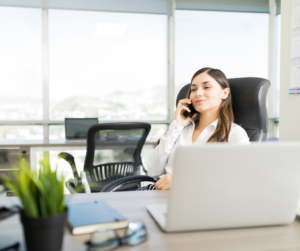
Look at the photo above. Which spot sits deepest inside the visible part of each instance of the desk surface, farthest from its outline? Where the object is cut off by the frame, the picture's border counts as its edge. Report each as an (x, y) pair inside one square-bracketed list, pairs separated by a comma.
[(132, 205)]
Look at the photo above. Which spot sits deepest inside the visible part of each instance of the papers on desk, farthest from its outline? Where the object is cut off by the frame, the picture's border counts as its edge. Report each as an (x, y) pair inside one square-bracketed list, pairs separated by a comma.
[(86, 218)]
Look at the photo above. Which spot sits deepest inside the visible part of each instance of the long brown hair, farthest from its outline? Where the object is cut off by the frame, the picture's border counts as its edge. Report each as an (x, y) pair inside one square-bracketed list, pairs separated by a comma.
[(225, 114)]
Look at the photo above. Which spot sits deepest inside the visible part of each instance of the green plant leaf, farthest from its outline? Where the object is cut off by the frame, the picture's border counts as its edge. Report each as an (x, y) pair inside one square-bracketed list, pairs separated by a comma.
[(41, 195)]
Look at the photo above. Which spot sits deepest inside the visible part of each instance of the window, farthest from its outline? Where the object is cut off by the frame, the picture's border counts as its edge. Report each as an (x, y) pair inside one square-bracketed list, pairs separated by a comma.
[(57, 132), (107, 65), (8, 133), (236, 43), (20, 63), (114, 65)]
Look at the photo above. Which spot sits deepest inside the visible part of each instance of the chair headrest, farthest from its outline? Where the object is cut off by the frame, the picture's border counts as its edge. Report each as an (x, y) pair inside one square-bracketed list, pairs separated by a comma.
[(249, 104)]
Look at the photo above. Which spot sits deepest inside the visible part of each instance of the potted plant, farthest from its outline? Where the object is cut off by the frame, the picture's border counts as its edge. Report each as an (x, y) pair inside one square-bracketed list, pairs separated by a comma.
[(43, 212)]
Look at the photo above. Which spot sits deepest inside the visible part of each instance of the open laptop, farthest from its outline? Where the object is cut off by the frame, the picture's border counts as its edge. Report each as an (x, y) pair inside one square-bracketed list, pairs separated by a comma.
[(217, 186), (76, 128)]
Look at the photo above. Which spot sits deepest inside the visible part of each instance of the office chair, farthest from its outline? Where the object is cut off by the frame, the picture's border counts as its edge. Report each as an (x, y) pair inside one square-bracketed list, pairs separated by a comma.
[(249, 104), (113, 152)]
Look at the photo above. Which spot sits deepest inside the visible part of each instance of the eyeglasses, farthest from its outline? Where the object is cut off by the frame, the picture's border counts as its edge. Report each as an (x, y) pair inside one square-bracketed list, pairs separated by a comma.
[(108, 239)]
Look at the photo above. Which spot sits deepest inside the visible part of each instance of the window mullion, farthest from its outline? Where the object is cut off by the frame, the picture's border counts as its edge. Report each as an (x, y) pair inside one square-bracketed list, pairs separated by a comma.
[(171, 28), (45, 53)]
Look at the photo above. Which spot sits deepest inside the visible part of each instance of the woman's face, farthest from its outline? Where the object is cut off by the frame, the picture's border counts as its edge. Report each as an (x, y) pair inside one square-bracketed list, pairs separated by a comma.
[(206, 93)]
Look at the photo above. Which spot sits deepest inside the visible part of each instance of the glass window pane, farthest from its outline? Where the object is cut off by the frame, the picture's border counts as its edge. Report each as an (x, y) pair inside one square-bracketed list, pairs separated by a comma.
[(236, 43), (107, 65), (63, 167), (16, 132), (20, 63), (57, 132), (157, 130)]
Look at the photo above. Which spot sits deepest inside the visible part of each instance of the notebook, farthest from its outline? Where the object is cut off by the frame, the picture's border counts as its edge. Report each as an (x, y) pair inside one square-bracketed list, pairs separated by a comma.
[(84, 218)]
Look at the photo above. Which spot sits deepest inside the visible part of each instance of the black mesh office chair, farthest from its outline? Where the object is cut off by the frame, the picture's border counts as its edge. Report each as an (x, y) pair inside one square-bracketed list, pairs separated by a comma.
[(113, 152), (249, 103)]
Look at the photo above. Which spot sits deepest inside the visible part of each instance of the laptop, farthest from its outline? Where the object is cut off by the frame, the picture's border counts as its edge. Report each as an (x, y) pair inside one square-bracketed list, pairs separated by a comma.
[(76, 128), (219, 186)]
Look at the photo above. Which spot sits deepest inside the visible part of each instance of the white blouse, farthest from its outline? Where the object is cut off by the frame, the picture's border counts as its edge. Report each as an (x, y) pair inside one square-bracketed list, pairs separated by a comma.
[(162, 159)]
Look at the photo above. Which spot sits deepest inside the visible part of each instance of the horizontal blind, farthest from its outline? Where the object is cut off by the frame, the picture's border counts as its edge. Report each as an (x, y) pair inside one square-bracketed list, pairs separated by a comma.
[(255, 6), (135, 6)]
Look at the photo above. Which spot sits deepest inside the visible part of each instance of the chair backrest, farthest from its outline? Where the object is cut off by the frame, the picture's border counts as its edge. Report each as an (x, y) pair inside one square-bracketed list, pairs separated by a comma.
[(249, 104), (114, 151)]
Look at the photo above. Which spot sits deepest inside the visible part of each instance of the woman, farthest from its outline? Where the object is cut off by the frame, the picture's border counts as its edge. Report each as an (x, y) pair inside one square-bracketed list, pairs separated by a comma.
[(210, 98)]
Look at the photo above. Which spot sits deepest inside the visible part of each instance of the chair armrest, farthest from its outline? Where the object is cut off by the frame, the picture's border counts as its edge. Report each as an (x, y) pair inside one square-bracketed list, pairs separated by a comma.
[(70, 159), (113, 186), (76, 186), (71, 185)]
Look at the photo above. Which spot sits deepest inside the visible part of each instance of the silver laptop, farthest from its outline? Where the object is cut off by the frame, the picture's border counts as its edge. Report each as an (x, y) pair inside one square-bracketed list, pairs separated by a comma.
[(76, 128), (219, 186)]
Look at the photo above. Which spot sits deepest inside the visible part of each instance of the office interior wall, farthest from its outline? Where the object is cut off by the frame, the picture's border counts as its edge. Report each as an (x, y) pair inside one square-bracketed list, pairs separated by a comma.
[(289, 104)]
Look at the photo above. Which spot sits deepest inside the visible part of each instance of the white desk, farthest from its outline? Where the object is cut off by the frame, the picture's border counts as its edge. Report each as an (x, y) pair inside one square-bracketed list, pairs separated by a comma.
[(132, 205)]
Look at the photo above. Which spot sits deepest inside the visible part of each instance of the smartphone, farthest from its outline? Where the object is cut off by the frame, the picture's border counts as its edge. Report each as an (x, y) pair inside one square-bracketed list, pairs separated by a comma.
[(192, 109)]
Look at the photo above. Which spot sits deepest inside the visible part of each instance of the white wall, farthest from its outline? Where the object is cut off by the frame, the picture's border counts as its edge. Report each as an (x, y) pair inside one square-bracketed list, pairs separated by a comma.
[(289, 104)]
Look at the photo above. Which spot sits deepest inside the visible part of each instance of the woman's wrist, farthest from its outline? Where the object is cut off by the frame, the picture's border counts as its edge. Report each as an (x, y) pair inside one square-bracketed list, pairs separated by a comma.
[(177, 126)]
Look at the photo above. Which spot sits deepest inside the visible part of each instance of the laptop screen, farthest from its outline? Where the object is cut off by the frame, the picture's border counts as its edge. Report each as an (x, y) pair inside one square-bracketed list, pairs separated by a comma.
[(76, 128)]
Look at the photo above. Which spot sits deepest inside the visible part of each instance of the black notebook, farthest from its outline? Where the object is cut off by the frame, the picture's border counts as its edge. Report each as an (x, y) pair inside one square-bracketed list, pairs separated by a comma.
[(86, 218)]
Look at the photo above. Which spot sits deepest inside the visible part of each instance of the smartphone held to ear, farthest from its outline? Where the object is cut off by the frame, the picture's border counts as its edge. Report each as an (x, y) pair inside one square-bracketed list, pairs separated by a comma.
[(189, 114)]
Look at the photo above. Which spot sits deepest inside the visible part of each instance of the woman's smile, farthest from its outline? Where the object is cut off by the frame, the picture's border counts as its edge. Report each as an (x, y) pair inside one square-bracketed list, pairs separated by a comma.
[(200, 101)]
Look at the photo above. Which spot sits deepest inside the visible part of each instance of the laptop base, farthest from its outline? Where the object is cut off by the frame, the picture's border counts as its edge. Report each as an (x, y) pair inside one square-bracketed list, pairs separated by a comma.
[(159, 213)]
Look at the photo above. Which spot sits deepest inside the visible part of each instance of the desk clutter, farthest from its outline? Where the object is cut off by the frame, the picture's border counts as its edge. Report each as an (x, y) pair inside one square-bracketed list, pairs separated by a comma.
[(85, 218), (108, 228), (103, 222), (108, 239), (252, 192), (132, 205)]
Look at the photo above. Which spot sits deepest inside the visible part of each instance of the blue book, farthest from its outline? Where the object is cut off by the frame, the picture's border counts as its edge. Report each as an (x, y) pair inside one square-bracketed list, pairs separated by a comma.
[(84, 218)]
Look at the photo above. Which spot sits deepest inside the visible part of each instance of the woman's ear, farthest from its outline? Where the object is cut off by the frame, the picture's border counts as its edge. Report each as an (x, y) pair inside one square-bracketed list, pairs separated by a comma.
[(226, 92)]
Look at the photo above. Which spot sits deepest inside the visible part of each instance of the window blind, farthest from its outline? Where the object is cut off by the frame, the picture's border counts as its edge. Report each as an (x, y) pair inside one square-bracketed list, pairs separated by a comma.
[(255, 6), (135, 6)]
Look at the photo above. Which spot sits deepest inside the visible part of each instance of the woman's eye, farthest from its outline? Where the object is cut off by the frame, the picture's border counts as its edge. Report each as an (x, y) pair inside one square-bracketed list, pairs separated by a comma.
[(193, 90), (206, 87)]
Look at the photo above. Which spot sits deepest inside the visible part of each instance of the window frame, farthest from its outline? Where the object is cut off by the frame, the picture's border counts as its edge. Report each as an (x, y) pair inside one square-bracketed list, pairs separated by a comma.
[(46, 122)]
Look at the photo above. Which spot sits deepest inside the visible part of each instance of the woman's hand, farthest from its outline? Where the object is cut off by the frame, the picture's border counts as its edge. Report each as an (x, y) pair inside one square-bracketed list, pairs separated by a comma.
[(164, 183), (181, 108)]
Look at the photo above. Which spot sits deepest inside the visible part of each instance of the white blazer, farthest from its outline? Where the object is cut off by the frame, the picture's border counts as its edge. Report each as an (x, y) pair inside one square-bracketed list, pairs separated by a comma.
[(161, 161)]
